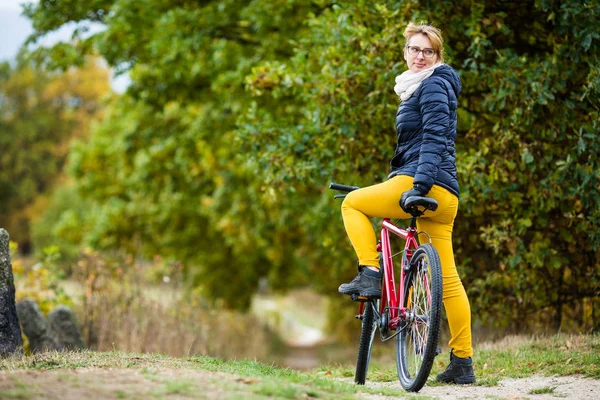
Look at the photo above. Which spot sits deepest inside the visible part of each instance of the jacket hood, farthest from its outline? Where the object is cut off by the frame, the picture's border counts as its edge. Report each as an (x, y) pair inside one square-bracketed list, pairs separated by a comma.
[(447, 72)]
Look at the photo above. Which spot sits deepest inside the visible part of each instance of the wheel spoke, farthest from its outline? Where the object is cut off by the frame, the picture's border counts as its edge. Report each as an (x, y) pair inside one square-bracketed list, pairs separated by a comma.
[(419, 300), (417, 342)]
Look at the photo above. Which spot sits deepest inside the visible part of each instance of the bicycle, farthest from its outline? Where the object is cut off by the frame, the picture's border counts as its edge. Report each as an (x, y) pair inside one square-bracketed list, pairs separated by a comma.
[(413, 313)]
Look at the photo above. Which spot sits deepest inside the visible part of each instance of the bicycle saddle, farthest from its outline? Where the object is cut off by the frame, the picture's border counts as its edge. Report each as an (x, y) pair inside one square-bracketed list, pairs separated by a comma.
[(414, 202)]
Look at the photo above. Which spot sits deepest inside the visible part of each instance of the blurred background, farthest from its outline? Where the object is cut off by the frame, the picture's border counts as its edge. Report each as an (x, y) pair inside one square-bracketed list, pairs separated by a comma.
[(164, 165)]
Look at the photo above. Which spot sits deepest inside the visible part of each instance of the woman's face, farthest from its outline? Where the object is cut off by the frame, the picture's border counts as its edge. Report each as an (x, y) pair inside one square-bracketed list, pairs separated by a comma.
[(418, 62)]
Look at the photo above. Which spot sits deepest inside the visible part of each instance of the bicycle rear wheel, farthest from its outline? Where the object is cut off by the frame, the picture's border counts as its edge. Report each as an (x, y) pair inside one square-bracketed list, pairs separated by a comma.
[(416, 345), (365, 347)]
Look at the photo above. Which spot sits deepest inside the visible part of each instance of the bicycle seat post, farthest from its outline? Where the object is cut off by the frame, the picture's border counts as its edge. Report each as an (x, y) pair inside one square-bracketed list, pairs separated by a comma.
[(413, 222)]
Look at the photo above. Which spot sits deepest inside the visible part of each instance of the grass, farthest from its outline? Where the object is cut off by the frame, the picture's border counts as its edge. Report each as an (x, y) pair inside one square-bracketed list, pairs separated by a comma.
[(288, 383), (182, 387), (201, 375), (559, 355), (19, 391), (543, 390), (247, 377), (120, 394)]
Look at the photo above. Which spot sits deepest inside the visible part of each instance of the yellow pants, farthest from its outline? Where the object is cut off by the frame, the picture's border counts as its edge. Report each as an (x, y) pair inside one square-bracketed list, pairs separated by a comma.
[(382, 201)]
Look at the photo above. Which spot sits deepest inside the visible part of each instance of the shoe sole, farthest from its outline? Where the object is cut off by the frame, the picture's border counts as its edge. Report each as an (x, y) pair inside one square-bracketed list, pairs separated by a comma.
[(364, 293), (371, 294), (465, 380), (461, 380)]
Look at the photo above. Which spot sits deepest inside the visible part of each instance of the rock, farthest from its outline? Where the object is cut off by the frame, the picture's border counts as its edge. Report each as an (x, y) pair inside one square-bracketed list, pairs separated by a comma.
[(10, 332), (63, 325), (35, 327)]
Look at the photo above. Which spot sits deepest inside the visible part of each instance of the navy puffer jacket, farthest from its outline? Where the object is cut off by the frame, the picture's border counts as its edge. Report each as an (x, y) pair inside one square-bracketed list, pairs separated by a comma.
[(426, 128)]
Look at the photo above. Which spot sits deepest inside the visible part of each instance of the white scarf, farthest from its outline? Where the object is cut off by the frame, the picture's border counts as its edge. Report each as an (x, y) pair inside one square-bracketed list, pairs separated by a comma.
[(409, 82)]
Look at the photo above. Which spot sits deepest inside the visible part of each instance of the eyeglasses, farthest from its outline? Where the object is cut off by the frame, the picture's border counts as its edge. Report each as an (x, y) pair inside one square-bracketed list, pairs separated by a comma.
[(414, 50)]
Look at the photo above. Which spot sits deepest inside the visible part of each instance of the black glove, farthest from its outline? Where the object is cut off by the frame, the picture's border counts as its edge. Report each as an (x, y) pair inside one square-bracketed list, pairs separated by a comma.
[(415, 191)]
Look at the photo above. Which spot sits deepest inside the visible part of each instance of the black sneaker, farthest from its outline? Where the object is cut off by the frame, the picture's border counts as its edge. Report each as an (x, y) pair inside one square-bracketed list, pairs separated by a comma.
[(366, 284), (460, 371)]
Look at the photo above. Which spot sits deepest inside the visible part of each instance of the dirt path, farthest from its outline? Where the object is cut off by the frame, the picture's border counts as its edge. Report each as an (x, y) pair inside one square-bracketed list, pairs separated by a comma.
[(177, 383), (536, 387), (109, 383)]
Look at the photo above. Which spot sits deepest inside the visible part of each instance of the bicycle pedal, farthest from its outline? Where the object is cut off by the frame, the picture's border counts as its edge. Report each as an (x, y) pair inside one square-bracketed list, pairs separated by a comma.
[(356, 297)]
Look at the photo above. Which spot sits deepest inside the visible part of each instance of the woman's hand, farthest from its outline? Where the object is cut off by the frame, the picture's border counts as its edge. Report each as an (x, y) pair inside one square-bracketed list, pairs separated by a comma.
[(415, 191)]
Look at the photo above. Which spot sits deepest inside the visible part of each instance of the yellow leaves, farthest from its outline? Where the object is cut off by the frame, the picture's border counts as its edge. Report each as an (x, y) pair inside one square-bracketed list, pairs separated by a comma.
[(218, 180), (225, 225), (208, 161), (89, 252), (325, 373), (12, 247), (262, 78), (39, 283), (23, 78), (44, 111), (195, 170), (17, 264), (271, 77), (274, 255), (207, 201), (79, 92), (172, 110)]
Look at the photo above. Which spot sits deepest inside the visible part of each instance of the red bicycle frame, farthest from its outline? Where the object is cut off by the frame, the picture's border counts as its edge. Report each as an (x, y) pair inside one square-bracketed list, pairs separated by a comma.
[(391, 299)]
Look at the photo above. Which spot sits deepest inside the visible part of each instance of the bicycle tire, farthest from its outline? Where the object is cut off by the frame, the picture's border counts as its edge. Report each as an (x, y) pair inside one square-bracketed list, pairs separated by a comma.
[(416, 344), (365, 347)]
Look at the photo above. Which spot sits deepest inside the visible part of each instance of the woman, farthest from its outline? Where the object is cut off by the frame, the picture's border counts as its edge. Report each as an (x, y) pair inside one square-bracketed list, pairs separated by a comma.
[(424, 164)]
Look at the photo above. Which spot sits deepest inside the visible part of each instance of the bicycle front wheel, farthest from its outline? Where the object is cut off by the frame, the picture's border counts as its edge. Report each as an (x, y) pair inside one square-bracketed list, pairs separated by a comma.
[(367, 335), (416, 344)]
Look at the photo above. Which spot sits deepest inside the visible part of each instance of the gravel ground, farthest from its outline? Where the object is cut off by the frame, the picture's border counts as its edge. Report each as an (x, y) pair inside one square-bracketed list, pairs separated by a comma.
[(178, 383), (561, 387)]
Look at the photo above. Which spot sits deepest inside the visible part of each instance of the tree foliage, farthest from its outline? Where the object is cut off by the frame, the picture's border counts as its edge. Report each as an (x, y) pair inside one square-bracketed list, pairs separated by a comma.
[(527, 233), (162, 169), (240, 113), (526, 236), (40, 112)]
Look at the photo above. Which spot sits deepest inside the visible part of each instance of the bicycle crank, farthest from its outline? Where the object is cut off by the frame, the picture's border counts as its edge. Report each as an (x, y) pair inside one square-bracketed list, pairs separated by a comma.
[(384, 320)]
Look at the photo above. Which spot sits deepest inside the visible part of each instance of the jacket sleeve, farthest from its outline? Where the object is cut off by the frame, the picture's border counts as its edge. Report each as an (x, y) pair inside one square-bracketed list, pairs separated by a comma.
[(435, 117)]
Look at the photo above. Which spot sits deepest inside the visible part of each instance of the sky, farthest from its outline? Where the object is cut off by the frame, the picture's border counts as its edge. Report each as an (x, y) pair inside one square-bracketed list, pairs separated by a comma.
[(15, 28)]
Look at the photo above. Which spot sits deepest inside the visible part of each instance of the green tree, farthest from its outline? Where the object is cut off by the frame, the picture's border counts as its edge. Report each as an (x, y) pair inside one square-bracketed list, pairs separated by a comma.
[(161, 169), (240, 113), (40, 112), (527, 233)]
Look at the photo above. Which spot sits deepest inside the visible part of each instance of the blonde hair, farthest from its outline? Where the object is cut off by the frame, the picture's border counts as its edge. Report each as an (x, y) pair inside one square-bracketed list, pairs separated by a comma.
[(433, 34)]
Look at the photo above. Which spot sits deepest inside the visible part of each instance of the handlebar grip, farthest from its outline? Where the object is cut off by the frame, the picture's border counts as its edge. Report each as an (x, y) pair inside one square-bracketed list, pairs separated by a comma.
[(342, 188)]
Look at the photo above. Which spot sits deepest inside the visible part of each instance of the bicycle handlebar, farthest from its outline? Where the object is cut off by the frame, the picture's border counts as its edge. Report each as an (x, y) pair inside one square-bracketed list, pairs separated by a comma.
[(342, 188)]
